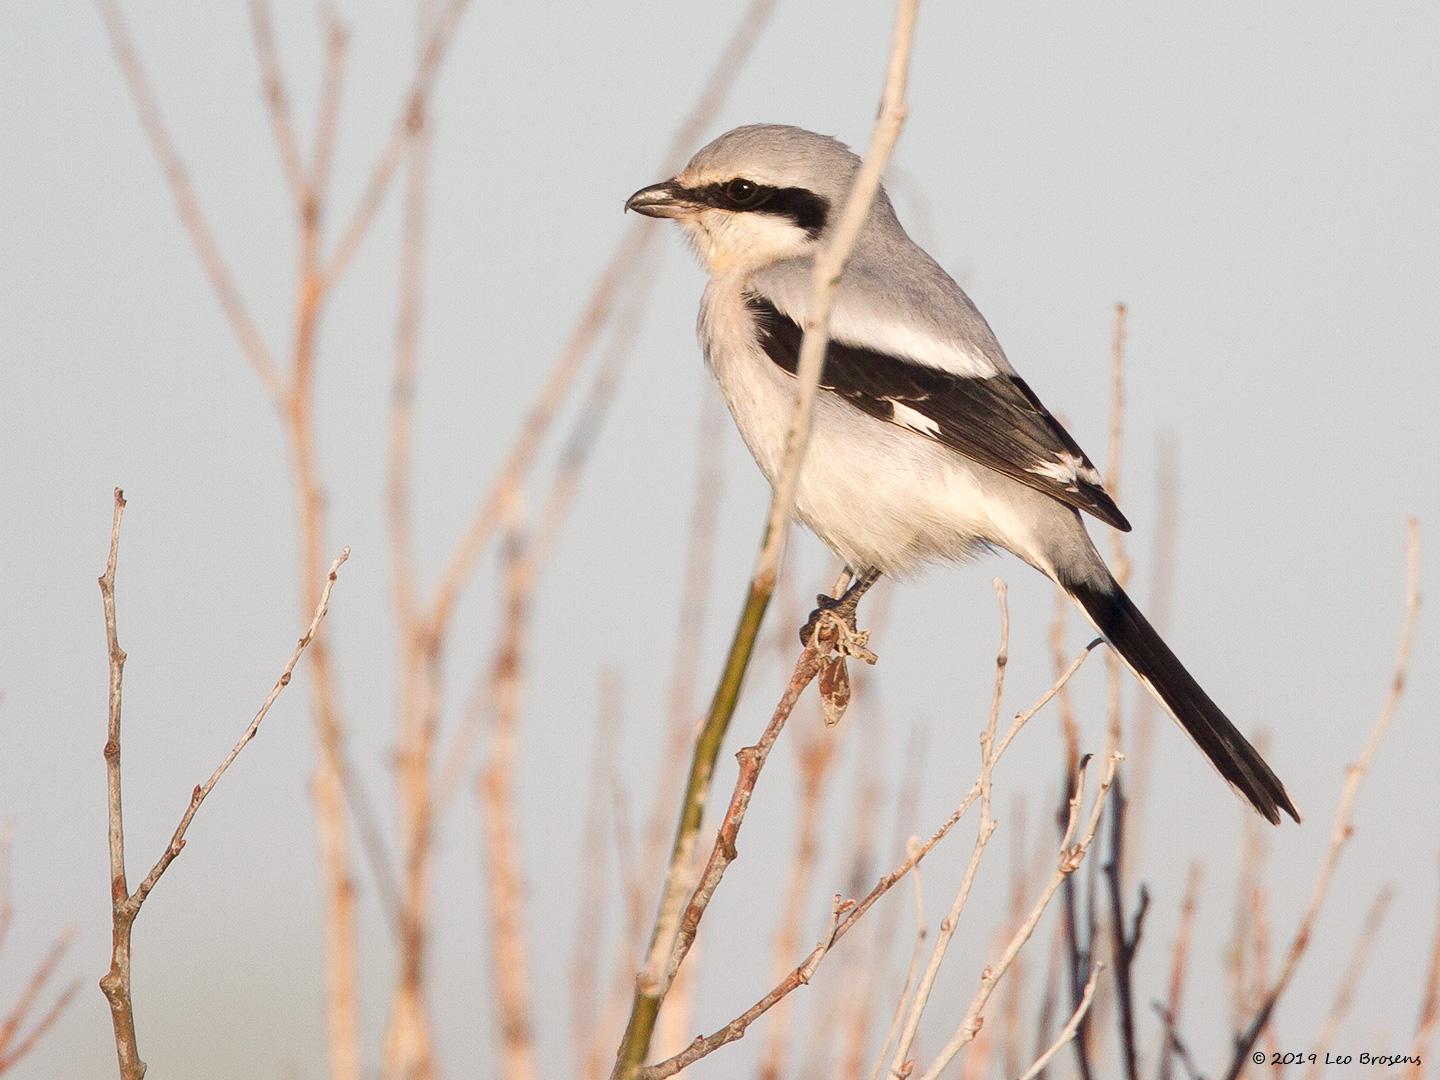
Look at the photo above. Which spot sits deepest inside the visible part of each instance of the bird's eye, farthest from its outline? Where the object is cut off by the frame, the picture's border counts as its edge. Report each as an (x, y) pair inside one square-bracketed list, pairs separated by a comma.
[(743, 193)]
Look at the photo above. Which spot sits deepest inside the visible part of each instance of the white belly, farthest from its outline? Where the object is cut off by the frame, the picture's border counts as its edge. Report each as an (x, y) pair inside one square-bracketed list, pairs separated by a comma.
[(879, 495)]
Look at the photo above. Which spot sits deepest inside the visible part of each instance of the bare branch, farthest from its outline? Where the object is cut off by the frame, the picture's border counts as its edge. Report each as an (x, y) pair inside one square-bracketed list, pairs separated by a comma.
[(1350, 977), (187, 205), (1180, 964), (665, 950), (1072, 1025), (125, 906), (1342, 830), (116, 982), (410, 118), (11, 1051), (922, 931), (508, 953), (202, 791), (277, 101), (1070, 859), (852, 914), (828, 266), (1429, 1019), (951, 921), (592, 319), (1124, 939), (1119, 560)]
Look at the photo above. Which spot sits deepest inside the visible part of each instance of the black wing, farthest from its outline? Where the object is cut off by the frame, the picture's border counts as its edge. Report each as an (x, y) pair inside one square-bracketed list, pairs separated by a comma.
[(997, 421)]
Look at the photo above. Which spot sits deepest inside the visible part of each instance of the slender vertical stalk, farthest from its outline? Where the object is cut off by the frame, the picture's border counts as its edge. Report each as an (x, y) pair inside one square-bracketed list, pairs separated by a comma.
[(654, 980)]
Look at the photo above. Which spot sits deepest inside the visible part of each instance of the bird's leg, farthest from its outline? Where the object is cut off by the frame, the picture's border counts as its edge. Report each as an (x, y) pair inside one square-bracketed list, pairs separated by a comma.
[(842, 606)]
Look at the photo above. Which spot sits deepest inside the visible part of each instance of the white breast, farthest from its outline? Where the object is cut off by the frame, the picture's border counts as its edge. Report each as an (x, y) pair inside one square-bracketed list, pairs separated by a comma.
[(878, 494)]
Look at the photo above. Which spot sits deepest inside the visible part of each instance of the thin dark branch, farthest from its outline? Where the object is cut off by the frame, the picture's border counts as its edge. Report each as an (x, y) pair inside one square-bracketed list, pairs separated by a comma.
[(1125, 941)]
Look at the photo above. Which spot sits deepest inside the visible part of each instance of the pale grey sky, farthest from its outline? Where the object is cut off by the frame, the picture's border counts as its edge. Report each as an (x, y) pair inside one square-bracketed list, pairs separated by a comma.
[(1257, 181)]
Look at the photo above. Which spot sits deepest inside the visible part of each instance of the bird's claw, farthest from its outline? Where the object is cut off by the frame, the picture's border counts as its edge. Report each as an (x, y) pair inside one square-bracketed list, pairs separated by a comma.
[(824, 605), (831, 628)]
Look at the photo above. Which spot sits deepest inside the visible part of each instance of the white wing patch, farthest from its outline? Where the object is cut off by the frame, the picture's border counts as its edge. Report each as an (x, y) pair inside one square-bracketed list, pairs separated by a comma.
[(1067, 469), (909, 342), (914, 419)]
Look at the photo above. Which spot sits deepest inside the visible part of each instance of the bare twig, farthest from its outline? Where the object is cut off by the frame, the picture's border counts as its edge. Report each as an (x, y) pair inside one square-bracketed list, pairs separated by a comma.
[(817, 755), (1071, 1026), (1429, 1020), (125, 905), (1124, 939), (408, 120), (1173, 1043), (116, 984), (409, 1052), (187, 206), (736, 1028), (1162, 589), (508, 954), (1350, 977), (1070, 859), (13, 1046), (1119, 560), (277, 102), (1180, 965), (1342, 830), (590, 906), (872, 964), (587, 327), (986, 829), (922, 931), (852, 914), (752, 761), (202, 791), (654, 980)]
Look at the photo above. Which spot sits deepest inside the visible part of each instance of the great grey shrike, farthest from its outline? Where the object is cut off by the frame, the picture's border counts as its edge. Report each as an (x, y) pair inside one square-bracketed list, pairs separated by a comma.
[(926, 444)]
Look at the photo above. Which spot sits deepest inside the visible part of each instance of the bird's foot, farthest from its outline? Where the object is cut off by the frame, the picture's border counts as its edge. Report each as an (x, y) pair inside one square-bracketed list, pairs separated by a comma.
[(835, 637), (826, 605), (831, 628)]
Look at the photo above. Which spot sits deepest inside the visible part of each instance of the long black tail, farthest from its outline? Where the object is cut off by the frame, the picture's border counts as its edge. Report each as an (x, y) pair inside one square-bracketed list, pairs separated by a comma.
[(1131, 635)]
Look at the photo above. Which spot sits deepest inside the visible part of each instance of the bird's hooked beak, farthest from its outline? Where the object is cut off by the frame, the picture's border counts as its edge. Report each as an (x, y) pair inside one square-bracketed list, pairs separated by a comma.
[(665, 200)]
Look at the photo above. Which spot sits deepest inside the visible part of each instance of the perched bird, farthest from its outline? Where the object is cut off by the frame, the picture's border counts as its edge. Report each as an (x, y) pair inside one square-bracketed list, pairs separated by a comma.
[(926, 444)]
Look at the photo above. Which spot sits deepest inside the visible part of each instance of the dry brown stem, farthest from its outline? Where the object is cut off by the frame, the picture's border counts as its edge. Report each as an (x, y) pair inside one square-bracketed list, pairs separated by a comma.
[(1429, 1020), (828, 266), (986, 829), (1071, 1026), (1180, 965), (871, 964), (408, 120), (509, 959), (1350, 977), (666, 948), (922, 931), (1070, 858), (13, 1045), (752, 761), (852, 913), (125, 905), (590, 907), (187, 205), (1119, 559), (817, 754), (1161, 595), (277, 102), (1124, 937), (1342, 829), (592, 319), (408, 1043)]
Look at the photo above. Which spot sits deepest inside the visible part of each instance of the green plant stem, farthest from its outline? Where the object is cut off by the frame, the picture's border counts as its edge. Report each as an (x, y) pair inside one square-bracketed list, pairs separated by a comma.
[(650, 987)]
